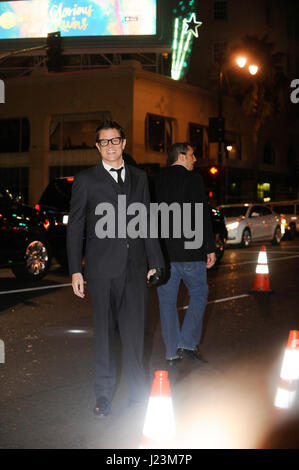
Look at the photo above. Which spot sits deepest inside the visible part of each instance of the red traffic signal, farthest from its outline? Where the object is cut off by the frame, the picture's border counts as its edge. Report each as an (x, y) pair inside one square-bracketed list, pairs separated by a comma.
[(213, 170)]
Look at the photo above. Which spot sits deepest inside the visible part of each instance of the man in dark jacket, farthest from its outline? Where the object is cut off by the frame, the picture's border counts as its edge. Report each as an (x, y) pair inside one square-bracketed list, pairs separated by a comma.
[(116, 265), (180, 184)]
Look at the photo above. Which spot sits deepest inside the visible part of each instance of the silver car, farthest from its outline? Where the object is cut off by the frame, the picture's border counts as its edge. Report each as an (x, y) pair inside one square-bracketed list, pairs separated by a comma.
[(246, 223)]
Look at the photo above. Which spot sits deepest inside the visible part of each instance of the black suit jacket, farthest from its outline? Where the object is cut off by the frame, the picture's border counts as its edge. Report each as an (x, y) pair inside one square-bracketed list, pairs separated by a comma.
[(107, 258), (177, 184)]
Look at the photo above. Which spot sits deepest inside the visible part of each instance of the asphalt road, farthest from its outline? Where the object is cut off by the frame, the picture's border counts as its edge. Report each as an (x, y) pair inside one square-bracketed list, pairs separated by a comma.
[(46, 382)]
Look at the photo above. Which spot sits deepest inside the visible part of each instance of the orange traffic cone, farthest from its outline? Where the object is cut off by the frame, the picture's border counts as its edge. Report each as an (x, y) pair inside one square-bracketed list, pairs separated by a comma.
[(159, 424), (289, 375), (261, 281)]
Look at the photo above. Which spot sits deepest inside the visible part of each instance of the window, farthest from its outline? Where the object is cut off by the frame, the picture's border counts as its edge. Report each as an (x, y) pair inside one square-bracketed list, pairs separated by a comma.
[(219, 51), (257, 210), (266, 211), (263, 190), (269, 154), (284, 209), (220, 10), (159, 132), (199, 139), (232, 146), (196, 139), (14, 135), (75, 131)]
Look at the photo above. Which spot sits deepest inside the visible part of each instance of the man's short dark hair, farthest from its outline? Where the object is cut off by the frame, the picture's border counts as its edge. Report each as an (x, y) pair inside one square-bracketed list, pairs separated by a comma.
[(175, 150), (108, 124)]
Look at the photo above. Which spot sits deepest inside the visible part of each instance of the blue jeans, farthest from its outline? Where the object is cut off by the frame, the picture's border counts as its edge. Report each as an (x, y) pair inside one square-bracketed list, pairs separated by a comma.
[(194, 275)]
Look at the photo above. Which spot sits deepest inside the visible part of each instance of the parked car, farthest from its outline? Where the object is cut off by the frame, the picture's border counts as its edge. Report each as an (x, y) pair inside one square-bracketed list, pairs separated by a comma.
[(289, 216), (55, 204), (246, 223), (24, 245), (220, 232)]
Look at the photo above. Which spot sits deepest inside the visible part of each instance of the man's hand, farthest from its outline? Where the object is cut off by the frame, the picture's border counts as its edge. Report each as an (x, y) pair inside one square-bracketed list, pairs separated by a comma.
[(150, 273), (78, 284), (211, 260)]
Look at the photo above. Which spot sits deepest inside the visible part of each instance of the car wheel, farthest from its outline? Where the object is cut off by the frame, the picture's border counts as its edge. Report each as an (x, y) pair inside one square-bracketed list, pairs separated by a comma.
[(277, 236), (37, 261), (246, 238), (220, 245)]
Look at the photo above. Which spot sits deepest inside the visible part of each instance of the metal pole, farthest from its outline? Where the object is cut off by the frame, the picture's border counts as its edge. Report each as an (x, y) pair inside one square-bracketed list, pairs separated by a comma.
[(220, 115)]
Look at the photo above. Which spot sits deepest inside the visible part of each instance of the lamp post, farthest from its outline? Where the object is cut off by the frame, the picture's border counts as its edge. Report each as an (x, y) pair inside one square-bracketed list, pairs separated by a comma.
[(241, 61)]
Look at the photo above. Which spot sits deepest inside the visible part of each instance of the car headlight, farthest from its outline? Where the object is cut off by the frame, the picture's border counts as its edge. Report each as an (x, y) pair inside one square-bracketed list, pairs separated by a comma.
[(233, 225)]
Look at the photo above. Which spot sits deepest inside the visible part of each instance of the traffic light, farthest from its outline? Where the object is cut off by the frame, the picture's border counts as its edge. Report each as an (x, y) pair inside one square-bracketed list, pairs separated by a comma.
[(54, 57), (216, 129), (213, 170)]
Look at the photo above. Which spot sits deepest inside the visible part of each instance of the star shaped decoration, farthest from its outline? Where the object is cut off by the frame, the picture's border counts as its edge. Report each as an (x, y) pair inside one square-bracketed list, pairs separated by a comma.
[(192, 25)]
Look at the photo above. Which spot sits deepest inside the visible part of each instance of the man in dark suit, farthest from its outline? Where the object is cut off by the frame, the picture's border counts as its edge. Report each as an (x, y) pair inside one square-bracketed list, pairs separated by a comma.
[(181, 185), (116, 266)]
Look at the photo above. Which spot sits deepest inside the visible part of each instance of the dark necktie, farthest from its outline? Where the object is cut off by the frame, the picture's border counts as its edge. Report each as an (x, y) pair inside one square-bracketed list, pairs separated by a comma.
[(119, 178)]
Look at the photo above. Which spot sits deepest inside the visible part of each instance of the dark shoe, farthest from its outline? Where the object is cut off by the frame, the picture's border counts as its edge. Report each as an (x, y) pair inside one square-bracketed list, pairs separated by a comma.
[(193, 354), (102, 407), (174, 362)]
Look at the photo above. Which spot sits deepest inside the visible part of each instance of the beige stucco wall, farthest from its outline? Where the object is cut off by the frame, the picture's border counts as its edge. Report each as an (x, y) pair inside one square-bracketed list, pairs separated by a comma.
[(38, 97), (164, 96), (128, 93)]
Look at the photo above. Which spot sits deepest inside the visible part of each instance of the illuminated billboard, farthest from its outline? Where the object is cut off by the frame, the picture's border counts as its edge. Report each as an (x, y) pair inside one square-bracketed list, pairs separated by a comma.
[(77, 18)]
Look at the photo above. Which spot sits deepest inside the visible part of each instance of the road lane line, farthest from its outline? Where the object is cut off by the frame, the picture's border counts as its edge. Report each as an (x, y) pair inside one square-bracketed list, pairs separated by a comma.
[(33, 288), (225, 299), (281, 258)]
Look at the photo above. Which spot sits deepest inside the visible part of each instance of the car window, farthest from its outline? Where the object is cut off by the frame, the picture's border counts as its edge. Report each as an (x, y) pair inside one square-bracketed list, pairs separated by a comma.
[(257, 209), (234, 211), (266, 211), (284, 209), (58, 194)]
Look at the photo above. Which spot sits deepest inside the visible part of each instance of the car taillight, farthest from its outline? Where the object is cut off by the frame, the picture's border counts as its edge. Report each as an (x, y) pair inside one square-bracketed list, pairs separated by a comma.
[(46, 224)]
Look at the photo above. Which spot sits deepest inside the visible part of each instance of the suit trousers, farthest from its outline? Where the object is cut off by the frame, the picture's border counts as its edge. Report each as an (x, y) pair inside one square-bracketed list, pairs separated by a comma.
[(120, 302)]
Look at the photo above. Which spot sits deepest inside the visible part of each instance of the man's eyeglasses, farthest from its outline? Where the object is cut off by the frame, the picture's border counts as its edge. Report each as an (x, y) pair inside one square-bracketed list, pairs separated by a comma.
[(114, 141)]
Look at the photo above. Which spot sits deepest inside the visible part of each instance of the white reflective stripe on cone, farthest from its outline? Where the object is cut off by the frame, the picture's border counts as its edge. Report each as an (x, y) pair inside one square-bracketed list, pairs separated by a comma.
[(284, 398), (262, 269), (262, 258), (290, 365), (159, 420)]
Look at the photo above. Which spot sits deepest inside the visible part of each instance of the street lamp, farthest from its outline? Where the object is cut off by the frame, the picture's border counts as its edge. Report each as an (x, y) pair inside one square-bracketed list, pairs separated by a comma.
[(253, 69), (241, 61)]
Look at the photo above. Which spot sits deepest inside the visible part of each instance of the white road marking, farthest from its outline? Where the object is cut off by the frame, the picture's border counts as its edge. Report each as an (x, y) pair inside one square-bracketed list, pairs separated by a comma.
[(281, 258), (30, 289), (56, 286), (225, 299)]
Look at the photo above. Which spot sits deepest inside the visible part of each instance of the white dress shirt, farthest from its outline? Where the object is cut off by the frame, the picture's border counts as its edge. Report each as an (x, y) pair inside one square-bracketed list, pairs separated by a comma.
[(113, 173)]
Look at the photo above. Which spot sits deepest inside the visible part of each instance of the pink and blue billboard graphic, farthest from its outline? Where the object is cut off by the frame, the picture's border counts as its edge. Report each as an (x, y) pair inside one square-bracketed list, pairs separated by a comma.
[(37, 18)]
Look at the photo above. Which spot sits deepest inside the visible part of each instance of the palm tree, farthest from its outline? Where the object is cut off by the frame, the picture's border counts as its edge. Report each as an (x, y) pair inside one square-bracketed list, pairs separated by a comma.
[(261, 96)]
